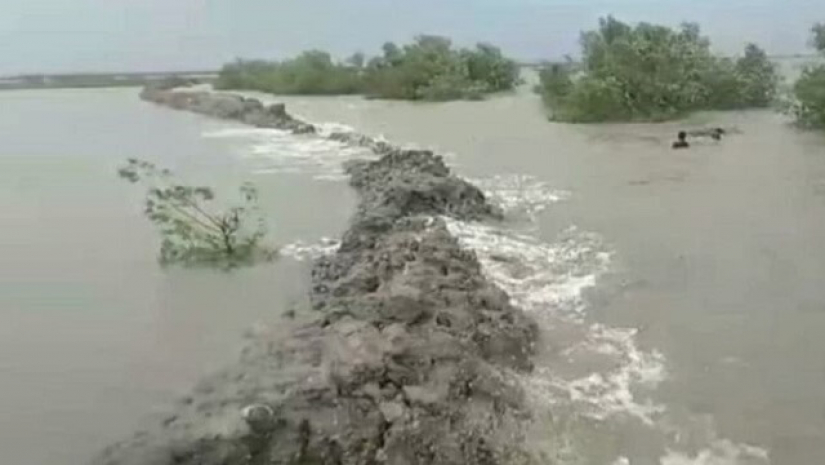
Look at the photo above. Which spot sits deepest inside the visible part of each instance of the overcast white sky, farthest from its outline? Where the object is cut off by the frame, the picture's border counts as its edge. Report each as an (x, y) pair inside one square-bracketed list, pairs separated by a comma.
[(123, 35)]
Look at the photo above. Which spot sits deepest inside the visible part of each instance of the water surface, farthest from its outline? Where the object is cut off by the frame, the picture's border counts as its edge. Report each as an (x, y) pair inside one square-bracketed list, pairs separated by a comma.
[(95, 336), (678, 291), (715, 260)]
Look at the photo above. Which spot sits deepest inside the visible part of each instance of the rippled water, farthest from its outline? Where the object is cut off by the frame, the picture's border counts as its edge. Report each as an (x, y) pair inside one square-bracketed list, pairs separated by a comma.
[(678, 292), (95, 338)]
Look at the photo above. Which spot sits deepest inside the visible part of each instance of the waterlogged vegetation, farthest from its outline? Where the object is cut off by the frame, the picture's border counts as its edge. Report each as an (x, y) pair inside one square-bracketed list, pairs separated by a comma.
[(429, 68), (649, 72), (193, 230), (808, 101), (312, 72), (627, 72)]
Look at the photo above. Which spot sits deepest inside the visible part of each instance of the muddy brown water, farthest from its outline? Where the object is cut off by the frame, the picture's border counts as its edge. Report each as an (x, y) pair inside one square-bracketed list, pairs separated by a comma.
[(717, 259), (95, 338), (718, 249)]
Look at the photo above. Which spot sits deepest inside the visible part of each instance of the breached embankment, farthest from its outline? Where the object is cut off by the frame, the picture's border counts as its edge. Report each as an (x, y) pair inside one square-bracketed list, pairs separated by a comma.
[(405, 356), (250, 111)]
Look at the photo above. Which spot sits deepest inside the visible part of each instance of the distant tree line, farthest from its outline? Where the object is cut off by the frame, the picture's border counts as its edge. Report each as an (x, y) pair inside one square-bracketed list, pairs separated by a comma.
[(641, 72), (429, 68), (649, 72)]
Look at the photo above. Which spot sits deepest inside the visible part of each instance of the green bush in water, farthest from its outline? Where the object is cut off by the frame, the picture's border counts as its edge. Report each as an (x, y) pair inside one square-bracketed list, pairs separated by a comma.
[(431, 69), (555, 83), (312, 72), (193, 231), (758, 76), (649, 72), (809, 98), (808, 102)]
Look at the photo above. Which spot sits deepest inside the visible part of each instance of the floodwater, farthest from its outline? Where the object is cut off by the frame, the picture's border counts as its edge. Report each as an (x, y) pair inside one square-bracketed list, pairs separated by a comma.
[(95, 337), (678, 291)]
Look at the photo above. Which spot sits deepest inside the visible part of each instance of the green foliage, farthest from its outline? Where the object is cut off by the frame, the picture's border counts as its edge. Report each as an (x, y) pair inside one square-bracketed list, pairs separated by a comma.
[(651, 72), (758, 77), (427, 69), (808, 105), (312, 72), (555, 86), (808, 101), (818, 37), (486, 64), (431, 69), (192, 232)]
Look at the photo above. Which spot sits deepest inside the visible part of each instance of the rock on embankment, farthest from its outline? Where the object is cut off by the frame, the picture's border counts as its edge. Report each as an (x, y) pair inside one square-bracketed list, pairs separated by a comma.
[(178, 94), (404, 359), (227, 106)]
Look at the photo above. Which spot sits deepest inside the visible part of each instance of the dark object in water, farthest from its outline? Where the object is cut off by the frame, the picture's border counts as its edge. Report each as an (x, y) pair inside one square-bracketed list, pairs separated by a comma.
[(682, 142), (713, 133)]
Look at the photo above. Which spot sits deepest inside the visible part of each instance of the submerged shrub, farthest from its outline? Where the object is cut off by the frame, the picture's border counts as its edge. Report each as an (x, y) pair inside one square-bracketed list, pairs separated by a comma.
[(193, 230), (312, 72), (652, 72), (807, 104), (431, 69), (809, 98)]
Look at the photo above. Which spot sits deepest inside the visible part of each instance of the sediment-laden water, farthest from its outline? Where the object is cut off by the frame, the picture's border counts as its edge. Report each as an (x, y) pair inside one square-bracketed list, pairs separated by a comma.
[(678, 294)]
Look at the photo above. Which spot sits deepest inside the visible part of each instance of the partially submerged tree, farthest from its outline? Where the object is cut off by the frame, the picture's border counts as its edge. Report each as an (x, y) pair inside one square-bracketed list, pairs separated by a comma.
[(818, 37), (312, 72), (193, 231), (430, 68), (808, 101), (758, 78), (652, 72), (808, 106)]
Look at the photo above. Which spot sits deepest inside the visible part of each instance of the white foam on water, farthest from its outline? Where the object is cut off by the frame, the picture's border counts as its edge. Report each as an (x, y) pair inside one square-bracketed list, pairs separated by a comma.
[(602, 367), (540, 277), (303, 251), (326, 129), (599, 370), (276, 151), (521, 193), (721, 452), (609, 393), (238, 132)]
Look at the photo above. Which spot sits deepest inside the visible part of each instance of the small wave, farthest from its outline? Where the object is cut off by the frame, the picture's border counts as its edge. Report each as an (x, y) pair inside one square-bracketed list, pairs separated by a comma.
[(721, 452), (599, 370), (540, 277), (601, 366), (303, 251), (241, 132), (276, 151), (326, 129), (611, 392), (521, 193)]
